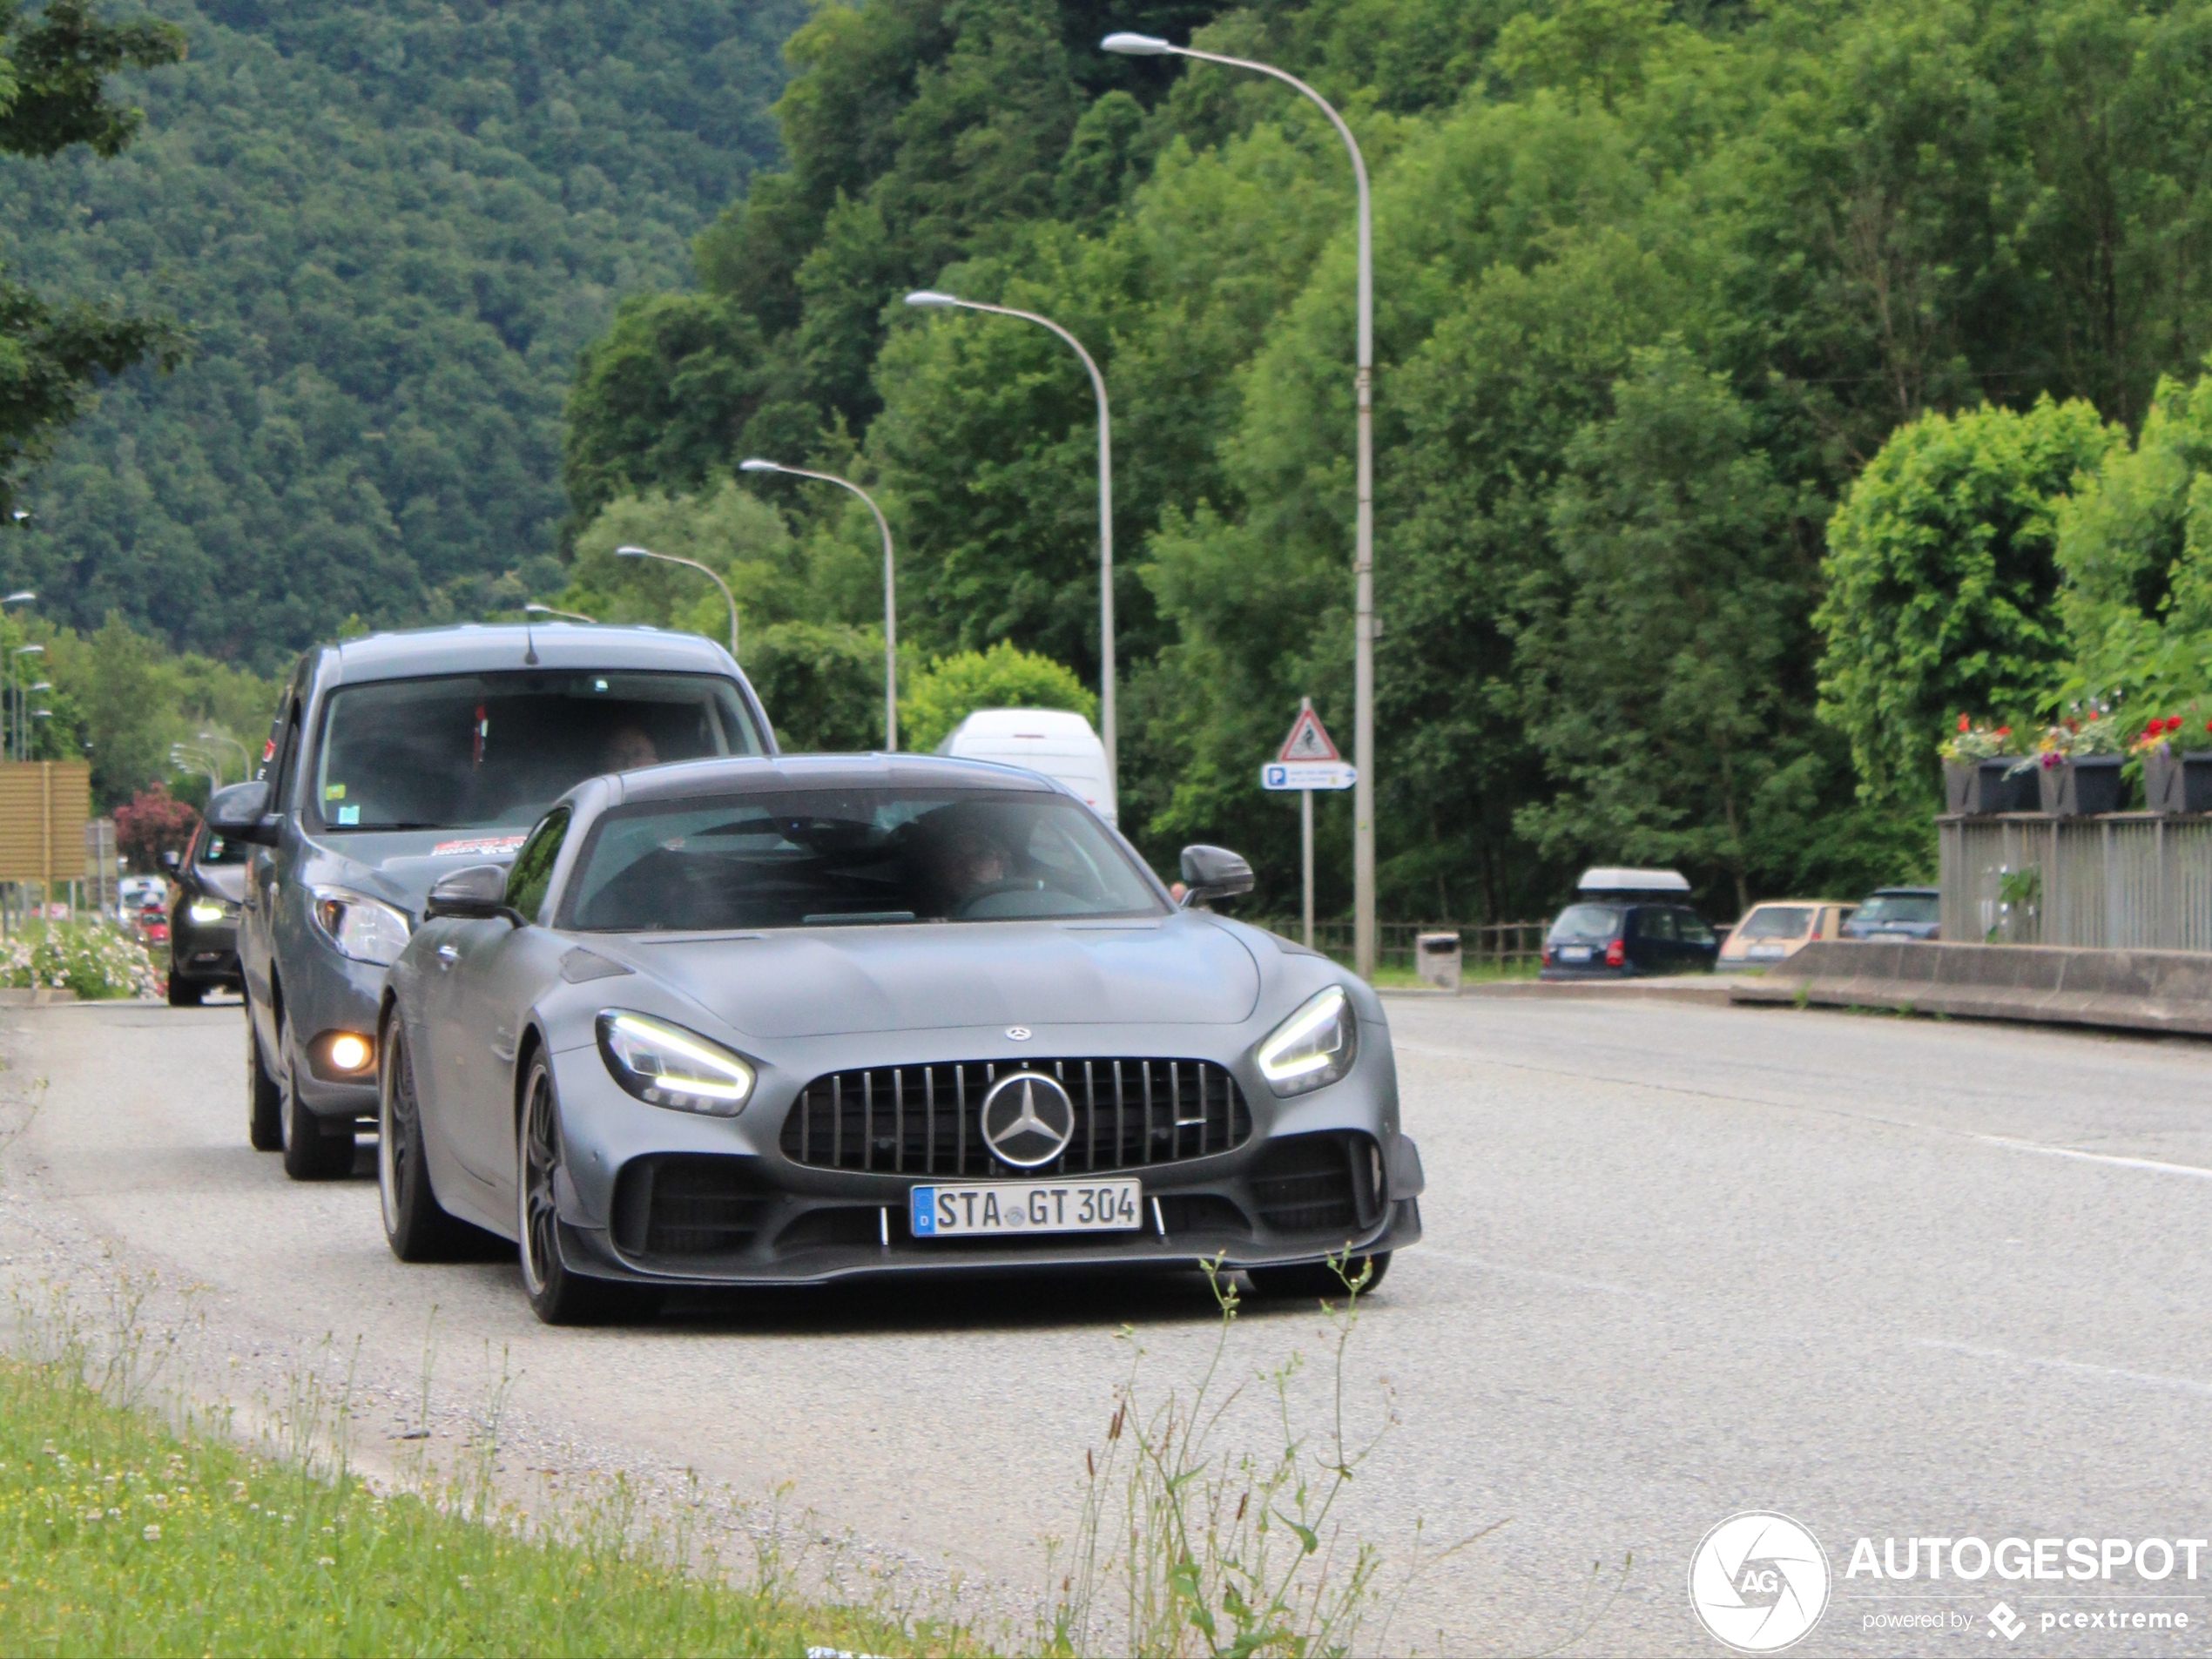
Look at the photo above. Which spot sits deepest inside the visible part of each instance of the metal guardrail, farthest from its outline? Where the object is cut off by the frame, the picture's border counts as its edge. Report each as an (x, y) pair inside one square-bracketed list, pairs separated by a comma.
[(1497, 944), (2119, 881)]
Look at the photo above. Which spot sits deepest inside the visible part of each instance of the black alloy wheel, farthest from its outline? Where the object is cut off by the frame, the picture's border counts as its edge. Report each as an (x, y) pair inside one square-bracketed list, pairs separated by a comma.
[(263, 1101), (1319, 1280), (558, 1296), (310, 1153), (416, 1226)]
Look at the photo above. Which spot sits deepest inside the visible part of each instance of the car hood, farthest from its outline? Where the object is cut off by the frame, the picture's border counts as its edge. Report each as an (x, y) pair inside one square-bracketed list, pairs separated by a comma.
[(1182, 970), (399, 866)]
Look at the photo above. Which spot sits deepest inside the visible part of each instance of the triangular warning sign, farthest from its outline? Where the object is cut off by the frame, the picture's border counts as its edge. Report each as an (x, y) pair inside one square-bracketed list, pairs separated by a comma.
[(1309, 740)]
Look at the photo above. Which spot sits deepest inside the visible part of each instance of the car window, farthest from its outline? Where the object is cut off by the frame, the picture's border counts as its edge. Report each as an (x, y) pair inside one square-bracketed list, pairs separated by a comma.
[(1656, 921), (1586, 924), (532, 871), (214, 849), (281, 791), (493, 751), (1776, 922), (1690, 927), (1901, 906), (816, 857)]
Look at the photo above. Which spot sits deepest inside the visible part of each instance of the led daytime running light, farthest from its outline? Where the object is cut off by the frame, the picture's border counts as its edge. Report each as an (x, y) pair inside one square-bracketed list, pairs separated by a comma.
[(664, 1065), (1314, 1047)]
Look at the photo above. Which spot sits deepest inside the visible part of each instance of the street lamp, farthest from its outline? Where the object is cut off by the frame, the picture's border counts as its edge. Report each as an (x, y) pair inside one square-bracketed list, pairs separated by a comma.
[(246, 763), (890, 590), (1363, 556), (535, 610), (22, 748), (671, 558), (1106, 724)]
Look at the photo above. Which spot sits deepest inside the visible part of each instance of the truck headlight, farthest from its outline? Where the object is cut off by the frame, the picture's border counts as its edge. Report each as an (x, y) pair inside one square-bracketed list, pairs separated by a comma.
[(664, 1065), (1313, 1047), (365, 929)]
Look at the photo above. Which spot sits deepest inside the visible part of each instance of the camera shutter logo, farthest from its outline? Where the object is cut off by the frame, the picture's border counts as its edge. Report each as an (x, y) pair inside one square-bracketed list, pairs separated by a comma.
[(1759, 1582), (1028, 1119)]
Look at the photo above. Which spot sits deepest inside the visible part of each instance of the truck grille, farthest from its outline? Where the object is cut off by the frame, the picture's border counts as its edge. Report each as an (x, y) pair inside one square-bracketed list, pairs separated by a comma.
[(926, 1120)]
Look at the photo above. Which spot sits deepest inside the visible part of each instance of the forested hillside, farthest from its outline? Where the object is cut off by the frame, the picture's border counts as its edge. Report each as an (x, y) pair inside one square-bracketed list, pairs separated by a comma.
[(390, 225), (1654, 282)]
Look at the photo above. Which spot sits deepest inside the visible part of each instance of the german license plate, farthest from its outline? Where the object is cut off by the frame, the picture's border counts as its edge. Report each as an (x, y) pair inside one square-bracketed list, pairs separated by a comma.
[(1574, 953), (1003, 1208)]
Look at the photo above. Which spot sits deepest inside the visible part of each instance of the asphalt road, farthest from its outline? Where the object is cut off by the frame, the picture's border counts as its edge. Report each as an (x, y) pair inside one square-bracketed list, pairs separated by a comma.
[(1892, 1278)]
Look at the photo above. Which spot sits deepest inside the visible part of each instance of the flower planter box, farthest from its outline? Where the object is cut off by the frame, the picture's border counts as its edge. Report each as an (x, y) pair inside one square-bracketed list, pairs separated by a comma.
[(2177, 783), (1980, 788), (2078, 786)]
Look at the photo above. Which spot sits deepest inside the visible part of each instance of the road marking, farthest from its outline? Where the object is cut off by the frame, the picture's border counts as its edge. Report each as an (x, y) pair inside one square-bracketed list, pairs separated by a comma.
[(2107, 1373), (2007, 1143), (1601, 1286)]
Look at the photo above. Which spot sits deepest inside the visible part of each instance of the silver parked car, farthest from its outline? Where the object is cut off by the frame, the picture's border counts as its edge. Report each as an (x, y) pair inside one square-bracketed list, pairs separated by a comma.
[(755, 1021), (393, 760)]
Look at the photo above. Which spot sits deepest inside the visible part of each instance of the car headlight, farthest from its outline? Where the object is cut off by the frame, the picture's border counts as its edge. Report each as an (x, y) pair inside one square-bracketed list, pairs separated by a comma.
[(207, 910), (664, 1065), (362, 929), (1314, 1047)]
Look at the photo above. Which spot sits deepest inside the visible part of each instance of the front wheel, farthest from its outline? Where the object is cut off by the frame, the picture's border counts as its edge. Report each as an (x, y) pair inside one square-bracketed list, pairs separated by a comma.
[(310, 1154), (415, 1224), (1319, 1280), (263, 1101), (558, 1296), (184, 992)]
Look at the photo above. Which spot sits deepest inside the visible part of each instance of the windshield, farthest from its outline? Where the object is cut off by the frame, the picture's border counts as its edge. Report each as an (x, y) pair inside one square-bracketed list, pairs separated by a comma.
[(1899, 906), (819, 858), (490, 751), (1776, 922), (1586, 924)]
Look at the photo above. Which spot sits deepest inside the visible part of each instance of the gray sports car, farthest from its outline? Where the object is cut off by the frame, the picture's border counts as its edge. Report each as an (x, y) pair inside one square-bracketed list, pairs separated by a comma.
[(781, 1020)]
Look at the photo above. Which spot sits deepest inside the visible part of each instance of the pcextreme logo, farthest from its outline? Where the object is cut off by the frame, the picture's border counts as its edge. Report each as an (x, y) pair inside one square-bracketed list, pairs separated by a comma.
[(1758, 1581)]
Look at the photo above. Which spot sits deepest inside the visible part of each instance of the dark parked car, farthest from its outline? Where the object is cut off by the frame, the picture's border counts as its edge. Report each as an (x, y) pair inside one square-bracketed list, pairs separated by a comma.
[(1899, 913), (1628, 937), (203, 917), (395, 759)]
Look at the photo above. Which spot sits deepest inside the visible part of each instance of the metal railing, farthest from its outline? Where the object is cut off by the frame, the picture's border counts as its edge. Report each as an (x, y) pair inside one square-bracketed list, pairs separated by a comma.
[(2123, 880), (1493, 944)]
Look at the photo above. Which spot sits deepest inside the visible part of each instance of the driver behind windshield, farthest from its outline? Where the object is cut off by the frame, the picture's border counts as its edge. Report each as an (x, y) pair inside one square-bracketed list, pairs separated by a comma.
[(963, 863)]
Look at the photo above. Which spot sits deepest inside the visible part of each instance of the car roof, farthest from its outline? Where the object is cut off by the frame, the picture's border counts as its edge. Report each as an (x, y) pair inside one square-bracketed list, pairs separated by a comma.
[(473, 648), (1606, 878), (755, 775), (1016, 722), (1917, 893), (1797, 903)]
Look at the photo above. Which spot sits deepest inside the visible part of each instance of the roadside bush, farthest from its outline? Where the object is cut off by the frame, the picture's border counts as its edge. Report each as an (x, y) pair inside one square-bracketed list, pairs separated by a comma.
[(94, 961)]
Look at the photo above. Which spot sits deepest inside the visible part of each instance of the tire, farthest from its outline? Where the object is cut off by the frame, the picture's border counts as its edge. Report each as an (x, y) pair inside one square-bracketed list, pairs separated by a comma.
[(1317, 1280), (185, 993), (264, 1102), (556, 1295), (416, 1225), (310, 1154)]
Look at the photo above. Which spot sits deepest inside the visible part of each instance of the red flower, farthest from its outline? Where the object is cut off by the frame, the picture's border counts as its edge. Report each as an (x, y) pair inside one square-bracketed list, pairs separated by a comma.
[(2006, 732)]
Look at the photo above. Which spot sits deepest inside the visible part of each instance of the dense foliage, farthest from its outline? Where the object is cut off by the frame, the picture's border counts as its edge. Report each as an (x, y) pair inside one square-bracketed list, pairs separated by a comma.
[(1656, 283), (390, 225)]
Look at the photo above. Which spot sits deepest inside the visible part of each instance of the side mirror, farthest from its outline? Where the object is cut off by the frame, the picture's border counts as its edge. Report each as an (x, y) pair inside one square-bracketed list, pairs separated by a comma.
[(476, 894), (241, 814), (172, 859), (1213, 873)]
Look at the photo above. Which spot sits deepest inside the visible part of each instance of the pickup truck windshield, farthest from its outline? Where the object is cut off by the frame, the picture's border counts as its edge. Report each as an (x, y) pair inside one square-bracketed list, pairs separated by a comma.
[(493, 751), (828, 858)]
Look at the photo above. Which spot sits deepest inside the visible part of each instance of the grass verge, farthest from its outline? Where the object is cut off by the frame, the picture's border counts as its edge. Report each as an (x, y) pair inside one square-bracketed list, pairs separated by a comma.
[(120, 1535)]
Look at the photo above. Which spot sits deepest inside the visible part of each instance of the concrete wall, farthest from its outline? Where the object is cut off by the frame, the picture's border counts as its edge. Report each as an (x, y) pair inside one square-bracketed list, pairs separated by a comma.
[(2141, 990)]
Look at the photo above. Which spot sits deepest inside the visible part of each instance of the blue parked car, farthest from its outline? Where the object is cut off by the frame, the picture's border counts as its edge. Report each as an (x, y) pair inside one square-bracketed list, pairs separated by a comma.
[(1629, 924), (1899, 913)]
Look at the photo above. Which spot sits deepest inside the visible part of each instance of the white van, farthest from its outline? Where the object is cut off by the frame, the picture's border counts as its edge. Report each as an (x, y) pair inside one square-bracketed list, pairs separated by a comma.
[(1061, 746)]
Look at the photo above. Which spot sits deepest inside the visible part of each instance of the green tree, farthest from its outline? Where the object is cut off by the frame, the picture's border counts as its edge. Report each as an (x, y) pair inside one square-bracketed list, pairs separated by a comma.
[(1942, 582), (53, 81), (1005, 676)]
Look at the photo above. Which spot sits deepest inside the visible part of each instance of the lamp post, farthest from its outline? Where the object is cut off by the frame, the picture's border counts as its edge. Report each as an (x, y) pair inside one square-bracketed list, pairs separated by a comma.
[(890, 589), (535, 610), (22, 698), (1106, 723), (1363, 556), (245, 761), (671, 558)]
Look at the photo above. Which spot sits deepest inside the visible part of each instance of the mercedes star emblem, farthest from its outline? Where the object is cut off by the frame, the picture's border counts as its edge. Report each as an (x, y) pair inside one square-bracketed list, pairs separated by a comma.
[(1019, 1032), (1028, 1119)]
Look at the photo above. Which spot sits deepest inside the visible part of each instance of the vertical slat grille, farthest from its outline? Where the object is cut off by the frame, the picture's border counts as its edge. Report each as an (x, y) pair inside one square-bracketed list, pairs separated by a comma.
[(923, 1120)]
